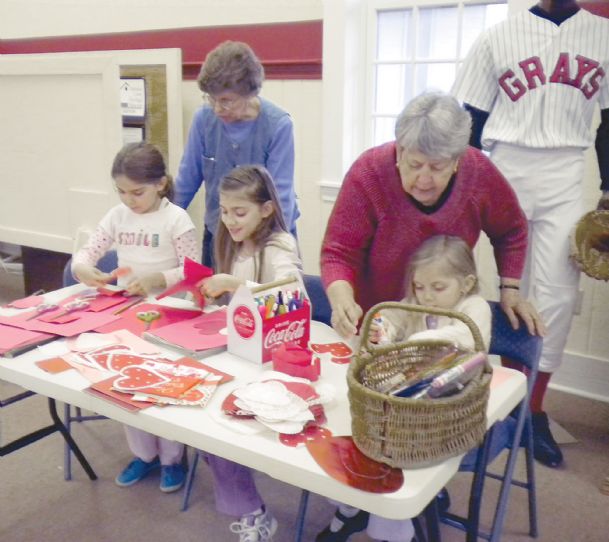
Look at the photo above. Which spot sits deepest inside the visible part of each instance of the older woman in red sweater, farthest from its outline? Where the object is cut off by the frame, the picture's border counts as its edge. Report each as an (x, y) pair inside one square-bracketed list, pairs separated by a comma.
[(394, 197), (427, 182)]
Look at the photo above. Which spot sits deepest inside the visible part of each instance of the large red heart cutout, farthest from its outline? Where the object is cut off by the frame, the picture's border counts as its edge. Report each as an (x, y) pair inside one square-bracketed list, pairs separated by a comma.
[(342, 460)]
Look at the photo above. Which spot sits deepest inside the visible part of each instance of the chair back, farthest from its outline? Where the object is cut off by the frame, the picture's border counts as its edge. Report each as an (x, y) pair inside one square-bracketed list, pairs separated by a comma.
[(515, 344), (320, 306), (108, 262)]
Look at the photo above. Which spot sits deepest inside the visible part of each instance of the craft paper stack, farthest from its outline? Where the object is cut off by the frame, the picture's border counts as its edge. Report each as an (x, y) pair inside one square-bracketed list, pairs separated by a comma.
[(198, 337), (158, 380)]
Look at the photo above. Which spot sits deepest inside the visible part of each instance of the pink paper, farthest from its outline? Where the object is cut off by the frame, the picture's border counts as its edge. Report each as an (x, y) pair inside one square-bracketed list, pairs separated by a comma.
[(128, 320), (27, 302), (11, 337), (86, 321), (197, 334)]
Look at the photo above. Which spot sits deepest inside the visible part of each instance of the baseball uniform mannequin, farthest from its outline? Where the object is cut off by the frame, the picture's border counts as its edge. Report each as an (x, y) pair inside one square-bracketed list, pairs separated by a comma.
[(532, 84)]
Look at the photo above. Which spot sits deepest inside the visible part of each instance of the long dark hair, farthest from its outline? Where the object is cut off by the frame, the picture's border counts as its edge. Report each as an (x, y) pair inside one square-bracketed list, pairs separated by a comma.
[(143, 163), (256, 184)]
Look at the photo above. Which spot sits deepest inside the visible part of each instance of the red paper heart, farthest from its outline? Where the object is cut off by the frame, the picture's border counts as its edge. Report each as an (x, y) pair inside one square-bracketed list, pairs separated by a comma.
[(338, 349), (311, 431), (136, 377), (342, 460), (212, 323), (117, 362), (229, 407)]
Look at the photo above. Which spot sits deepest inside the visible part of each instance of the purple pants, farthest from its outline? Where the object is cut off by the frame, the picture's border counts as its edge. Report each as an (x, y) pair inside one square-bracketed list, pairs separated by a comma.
[(234, 487)]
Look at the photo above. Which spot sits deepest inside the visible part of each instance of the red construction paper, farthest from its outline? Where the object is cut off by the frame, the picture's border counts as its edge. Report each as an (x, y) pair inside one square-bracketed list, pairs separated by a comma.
[(197, 334), (128, 320), (193, 274), (293, 360), (54, 365), (342, 460), (104, 390)]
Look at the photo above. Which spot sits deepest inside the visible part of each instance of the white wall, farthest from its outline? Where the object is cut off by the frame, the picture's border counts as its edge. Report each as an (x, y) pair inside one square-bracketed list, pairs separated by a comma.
[(38, 18)]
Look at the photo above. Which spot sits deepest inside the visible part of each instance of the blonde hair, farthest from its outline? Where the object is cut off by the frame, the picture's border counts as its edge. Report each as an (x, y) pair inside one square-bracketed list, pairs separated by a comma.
[(256, 184), (452, 253)]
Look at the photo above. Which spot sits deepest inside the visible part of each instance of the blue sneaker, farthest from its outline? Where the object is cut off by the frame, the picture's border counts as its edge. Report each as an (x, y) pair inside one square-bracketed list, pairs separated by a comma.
[(135, 471), (172, 477)]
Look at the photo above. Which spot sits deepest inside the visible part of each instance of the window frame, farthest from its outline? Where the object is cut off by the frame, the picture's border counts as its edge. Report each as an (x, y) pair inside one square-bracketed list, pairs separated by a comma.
[(372, 9)]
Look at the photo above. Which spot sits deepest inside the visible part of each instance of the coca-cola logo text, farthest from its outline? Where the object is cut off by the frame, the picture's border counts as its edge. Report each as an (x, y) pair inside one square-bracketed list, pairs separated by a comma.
[(293, 332), (244, 322)]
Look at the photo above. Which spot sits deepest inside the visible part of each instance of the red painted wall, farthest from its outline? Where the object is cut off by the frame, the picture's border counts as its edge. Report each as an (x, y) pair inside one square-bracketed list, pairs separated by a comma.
[(286, 50)]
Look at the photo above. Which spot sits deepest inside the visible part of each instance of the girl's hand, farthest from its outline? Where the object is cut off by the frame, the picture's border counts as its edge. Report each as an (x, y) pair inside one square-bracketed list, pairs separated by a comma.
[(218, 284), (91, 276), (345, 311), (375, 333), (515, 306), (145, 284)]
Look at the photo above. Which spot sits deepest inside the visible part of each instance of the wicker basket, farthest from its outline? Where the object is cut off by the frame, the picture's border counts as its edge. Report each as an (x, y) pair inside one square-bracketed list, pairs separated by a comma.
[(406, 432)]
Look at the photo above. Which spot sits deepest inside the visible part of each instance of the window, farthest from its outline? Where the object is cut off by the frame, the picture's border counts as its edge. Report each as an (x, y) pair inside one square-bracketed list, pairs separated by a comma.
[(419, 46)]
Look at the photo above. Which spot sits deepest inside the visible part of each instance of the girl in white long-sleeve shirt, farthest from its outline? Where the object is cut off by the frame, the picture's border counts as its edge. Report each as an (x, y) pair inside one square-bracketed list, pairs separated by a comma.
[(152, 237)]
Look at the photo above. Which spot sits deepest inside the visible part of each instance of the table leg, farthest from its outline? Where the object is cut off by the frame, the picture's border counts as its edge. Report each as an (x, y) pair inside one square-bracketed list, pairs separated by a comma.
[(68, 438), (432, 520), (302, 510)]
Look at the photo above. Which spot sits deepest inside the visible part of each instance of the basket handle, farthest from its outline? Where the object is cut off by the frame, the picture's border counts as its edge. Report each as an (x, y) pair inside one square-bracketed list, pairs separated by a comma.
[(408, 307)]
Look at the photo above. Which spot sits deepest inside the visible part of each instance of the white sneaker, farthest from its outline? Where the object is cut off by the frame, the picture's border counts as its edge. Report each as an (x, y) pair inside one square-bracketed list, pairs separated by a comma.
[(255, 527)]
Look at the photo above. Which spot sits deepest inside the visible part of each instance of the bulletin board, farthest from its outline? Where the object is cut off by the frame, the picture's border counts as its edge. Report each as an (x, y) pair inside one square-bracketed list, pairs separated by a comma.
[(155, 123), (60, 128)]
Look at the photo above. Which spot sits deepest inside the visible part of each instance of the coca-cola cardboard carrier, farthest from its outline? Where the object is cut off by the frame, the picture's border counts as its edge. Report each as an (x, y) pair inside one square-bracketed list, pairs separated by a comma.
[(252, 336)]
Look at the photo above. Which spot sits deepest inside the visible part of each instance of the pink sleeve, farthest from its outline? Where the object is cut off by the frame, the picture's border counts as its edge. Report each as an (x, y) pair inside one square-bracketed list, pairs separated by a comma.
[(98, 244), (186, 245)]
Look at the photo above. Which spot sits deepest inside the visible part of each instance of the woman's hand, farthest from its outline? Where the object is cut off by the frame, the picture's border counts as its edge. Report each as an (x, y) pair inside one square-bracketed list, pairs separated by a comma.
[(91, 276), (144, 284), (345, 311), (218, 284), (515, 306)]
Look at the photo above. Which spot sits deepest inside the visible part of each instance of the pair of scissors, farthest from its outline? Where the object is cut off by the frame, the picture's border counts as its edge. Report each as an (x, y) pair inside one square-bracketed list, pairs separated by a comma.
[(41, 309), (73, 306), (148, 317)]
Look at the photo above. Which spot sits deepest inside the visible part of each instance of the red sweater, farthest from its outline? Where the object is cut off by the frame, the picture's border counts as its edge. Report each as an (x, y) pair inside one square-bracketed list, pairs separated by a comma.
[(375, 227)]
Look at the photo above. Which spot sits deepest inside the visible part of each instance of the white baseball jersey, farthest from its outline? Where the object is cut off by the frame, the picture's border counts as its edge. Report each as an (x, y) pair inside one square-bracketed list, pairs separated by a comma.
[(539, 81)]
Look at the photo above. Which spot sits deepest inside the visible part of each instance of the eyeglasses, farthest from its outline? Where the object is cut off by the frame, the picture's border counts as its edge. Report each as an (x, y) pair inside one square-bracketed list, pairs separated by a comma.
[(225, 104)]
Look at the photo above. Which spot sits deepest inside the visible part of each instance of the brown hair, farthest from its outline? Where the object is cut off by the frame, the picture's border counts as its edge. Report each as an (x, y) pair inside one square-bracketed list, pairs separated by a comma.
[(231, 66), (451, 252), (143, 163), (257, 186)]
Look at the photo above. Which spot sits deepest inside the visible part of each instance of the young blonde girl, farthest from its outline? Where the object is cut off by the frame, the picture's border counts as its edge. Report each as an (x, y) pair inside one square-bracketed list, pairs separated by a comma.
[(251, 244), (152, 237), (441, 274)]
